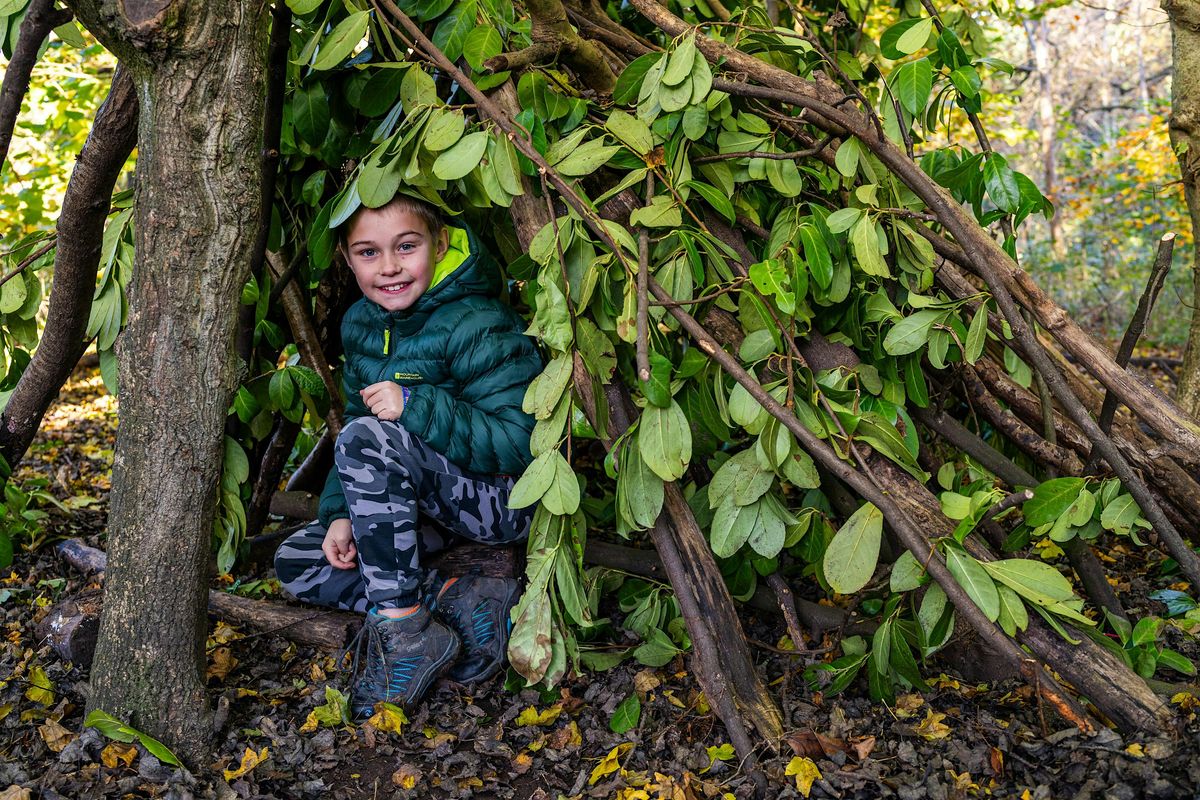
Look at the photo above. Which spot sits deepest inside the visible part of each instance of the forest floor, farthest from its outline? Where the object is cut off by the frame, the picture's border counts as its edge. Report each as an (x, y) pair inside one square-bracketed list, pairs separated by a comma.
[(281, 735)]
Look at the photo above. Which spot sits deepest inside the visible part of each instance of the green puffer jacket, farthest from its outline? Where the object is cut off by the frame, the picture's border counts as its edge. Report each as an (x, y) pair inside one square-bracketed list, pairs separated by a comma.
[(464, 357)]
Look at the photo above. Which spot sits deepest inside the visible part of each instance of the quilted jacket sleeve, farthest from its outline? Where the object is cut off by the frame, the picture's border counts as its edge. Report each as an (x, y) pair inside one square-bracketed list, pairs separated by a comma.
[(481, 427)]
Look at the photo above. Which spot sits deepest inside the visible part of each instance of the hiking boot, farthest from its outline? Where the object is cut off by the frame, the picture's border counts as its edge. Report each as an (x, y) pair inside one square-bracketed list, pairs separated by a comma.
[(403, 658), (478, 607)]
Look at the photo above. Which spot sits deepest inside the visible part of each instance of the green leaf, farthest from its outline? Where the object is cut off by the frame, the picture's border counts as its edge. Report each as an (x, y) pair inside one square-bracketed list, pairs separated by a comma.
[(586, 158), (443, 130), (665, 440), (639, 490), (109, 726), (631, 131), (1001, 183), (912, 83), (662, 212), (1013, 615), (907, 573), (910, 334), (626, 717), (972, 577), (544, 392), (451, 33), (714, 198), (342, 40), (680, 62), (629, 83), (771, 278), (740, 479), (816, 256), (770, 531), (534, 482), (658, 388), (12, 295), (853, 553), (657, 650), (482, 43), (888, 42), (846, 159), (731, 527), (464, 156), (302, 7), (1036, 581), (914, 37), (977, 334), (865, 239), (562, 495), (1050, 500), (843, 219), (1120, 515)]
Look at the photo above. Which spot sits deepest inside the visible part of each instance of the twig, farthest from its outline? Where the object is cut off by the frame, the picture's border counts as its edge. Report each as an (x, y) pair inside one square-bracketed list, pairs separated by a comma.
[(811, 151), (50, 244), (787, 603), (1154, 284), (643, 276)]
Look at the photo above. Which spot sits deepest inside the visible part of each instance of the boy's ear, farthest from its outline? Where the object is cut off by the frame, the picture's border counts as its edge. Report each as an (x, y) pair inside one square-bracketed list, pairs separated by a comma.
[(443, 243)]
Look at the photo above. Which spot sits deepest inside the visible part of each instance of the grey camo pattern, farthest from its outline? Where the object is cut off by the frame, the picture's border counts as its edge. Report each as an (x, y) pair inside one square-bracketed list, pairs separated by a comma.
[(406, 500)]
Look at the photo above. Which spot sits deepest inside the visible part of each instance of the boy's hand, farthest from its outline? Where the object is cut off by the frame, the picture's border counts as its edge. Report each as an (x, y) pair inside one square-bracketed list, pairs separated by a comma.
[(338, 546), (385, 399)]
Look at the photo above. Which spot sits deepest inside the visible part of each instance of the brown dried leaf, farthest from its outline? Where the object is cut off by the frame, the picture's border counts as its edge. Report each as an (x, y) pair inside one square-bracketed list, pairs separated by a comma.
[(407, 776), (810, 744), (221, 663), (646, 681), (862, 747), (55, 736), (522, 763), (16, 792), (996, 758), (118, 753)]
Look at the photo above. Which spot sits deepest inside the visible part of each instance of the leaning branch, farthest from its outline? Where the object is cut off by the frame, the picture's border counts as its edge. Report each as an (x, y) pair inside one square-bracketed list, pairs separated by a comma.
[(40, 19)]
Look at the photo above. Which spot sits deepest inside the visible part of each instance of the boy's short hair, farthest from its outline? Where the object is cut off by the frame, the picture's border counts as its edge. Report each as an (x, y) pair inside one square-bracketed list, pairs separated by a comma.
[(428, 213)]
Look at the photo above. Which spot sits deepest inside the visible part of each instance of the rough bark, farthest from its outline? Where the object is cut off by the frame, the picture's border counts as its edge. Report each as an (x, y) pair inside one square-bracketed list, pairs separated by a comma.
[(1185, 139), (80, 230), (199, 70)]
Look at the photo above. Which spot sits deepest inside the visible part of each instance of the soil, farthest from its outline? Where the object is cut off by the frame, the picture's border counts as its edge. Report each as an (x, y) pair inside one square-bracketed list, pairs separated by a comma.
[(958, 740)]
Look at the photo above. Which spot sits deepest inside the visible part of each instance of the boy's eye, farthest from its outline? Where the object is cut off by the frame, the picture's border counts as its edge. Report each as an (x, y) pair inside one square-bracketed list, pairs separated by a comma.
[(406, 247), (367, 252)]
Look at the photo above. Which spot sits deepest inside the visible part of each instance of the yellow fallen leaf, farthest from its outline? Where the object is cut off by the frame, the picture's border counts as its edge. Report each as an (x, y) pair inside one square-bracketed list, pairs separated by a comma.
[(221, 663), (55, 736), (1136, 750), (531, 716), (672, 699), (932, 726), (407, 776), (610, 763), (632, 793), (388, 718), (470, 783), (16, 792), (1185, 700), (40, 689), (250, 760), (335, 711), (115, 753), (806, 773), (5, 710), (907, 705)]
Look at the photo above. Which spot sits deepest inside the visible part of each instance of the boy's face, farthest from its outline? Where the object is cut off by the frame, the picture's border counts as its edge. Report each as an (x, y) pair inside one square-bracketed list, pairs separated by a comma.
[(392, 255)]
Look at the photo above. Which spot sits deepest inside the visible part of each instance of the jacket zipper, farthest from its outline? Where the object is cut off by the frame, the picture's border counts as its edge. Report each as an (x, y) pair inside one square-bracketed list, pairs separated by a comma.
[(387, 340)]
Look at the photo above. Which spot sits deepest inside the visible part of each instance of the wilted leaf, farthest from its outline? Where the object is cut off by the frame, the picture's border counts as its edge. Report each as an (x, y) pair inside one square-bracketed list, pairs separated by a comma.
[(115, 753), (805, 773), (388, 718), (407, 776), (40, 689), (531, 716), (250, 760), (55, 736), (932, 727), (610, 763), (335, 711)]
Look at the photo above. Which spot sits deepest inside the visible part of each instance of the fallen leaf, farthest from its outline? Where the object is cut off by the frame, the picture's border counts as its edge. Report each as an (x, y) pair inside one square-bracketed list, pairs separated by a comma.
[(224, 633), (863, 747), (672, 699), (1185, 700), (907, 704), (722, 752), (115, 753), (388, 718), (221, 663), (1136, 750), (522, 763), (470, 783), (40, 689), (531, 716), (646, 681), (250, 760), (932, 727), (996, 758), (805, 772), (407, 776), (16, 792), (810, 744), (55, 736), (334, 712), (438, 739), (564, 737), (610, 763), (5, 710)]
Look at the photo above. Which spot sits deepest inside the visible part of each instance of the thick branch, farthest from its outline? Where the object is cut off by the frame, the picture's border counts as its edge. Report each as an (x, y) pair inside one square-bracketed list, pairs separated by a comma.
[(40, 19), (80, 233)]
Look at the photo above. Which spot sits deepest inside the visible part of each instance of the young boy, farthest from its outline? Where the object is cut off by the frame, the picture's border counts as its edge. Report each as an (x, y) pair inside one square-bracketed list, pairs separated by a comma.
[(436, 370)]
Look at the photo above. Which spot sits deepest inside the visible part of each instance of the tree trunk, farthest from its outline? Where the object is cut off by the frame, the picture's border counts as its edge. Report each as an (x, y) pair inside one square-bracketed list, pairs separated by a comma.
[(1185, 140), (200, 73)]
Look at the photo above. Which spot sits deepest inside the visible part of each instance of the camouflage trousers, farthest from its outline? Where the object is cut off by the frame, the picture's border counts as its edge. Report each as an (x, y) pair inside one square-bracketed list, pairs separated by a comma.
[(405, 500)]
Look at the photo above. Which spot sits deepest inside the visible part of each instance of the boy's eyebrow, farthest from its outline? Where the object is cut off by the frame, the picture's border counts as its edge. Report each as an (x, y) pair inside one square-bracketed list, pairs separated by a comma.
[(369, 241)]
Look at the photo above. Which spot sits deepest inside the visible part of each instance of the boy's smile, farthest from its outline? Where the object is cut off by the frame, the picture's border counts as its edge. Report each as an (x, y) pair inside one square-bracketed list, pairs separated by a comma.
[(393, 255)]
